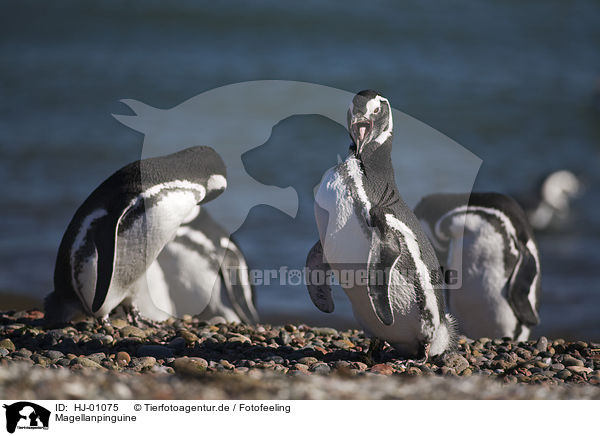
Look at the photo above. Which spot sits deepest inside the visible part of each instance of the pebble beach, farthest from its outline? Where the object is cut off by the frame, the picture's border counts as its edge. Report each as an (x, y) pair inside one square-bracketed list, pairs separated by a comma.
[(191, 359)]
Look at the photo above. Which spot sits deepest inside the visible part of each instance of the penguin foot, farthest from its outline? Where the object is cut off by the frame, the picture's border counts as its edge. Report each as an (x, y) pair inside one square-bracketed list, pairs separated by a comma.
[(142, 321), (104, 321), (367, 360), (374, 353), (137, 320), (422, 360)]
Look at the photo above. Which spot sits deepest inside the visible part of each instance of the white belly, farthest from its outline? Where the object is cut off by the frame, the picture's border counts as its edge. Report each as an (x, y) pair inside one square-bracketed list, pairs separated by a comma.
[(340, 228), (404, 333), (191, 277), (346, 248), (480, 305), (138, 245)]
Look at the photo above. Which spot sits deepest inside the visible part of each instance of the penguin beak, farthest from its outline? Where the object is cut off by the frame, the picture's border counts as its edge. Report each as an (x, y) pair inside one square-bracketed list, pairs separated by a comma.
[(360, 130)]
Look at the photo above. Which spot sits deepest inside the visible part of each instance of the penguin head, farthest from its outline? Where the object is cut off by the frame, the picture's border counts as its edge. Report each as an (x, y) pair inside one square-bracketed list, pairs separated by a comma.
[(369, 121), (559, 188)]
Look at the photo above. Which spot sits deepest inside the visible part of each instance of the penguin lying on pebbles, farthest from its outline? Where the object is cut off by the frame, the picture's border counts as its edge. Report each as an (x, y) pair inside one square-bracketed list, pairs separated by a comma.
[(500, 265), (108, 254), (366, 228), (550, 210)]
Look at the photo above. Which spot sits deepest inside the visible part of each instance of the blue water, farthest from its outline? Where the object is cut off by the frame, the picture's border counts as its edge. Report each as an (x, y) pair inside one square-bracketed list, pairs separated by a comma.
[(511, 82)]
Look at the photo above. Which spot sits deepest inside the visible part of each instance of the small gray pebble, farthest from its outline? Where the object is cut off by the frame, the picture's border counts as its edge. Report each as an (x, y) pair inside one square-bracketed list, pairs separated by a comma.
[(320, 368), (325, 331), (284, 337), (275, 358), (22, 352), (3, 352), (564, 374), (96, 357), (219, 337), (542, 344), (571, 361), (140, 363), (54, 354)]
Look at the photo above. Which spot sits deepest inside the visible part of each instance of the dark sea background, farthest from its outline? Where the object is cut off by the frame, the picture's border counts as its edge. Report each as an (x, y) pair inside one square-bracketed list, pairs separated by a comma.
[(516, 83)]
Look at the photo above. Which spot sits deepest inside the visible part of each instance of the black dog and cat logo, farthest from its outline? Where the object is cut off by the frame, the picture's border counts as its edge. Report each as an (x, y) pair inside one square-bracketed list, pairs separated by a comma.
[(26, 415)]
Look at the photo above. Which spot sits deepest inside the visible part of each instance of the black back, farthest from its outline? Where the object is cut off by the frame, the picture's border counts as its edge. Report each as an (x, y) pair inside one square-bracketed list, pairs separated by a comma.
[(194, 164)]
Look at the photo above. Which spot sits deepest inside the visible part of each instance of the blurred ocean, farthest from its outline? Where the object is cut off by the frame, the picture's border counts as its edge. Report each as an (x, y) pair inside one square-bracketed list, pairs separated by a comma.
[(513, 82)]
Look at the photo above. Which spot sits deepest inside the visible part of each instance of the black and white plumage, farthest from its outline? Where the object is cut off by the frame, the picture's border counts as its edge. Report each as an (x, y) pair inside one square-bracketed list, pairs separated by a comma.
[(550, 207), (365, 227), (206, 273), (487, 241), (108, 254)]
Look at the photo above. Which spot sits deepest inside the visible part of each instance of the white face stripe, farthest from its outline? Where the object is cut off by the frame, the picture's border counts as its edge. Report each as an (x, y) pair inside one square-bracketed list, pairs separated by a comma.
[(374, 103), (384, 136), (175, 184), (216, 182), (422, 270), (494, 212)]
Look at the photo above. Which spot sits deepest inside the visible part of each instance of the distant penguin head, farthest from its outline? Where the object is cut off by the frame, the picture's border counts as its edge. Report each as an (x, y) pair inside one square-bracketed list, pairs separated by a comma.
[(369, 121), (559, 188)]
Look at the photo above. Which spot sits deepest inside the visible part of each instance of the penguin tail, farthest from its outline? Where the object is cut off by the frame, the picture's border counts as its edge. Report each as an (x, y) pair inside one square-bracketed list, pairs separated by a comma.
[(452, 328), (240, 292), (446, 336)]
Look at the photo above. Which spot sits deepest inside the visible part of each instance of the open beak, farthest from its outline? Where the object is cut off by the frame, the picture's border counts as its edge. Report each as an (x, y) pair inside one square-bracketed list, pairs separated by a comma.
[(361, 130)]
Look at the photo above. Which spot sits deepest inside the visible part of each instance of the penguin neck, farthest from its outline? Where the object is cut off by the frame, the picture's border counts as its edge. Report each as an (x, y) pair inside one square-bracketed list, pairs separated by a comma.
[(376, 160)]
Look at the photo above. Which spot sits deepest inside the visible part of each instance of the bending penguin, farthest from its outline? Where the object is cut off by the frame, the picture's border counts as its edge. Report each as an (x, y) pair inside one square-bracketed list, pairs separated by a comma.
[(365, 226), (202, 256), (488, 239), (108, 254)]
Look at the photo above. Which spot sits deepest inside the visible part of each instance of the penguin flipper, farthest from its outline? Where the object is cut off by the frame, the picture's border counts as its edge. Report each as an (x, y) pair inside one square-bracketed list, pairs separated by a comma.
[(105, 249), (380, 257), (320, 293), (519, 287), (237, 284)]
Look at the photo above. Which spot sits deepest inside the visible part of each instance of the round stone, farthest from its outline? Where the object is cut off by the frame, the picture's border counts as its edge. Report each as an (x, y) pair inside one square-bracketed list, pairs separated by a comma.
[(123, 358), (190, 366)]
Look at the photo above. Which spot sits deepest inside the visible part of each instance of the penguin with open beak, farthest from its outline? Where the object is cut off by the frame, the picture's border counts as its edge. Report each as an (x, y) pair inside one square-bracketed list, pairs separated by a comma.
[(365, 228)]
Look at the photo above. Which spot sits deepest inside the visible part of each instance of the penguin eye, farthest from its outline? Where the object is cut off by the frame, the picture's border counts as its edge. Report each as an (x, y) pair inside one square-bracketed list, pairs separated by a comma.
[(376, 110)]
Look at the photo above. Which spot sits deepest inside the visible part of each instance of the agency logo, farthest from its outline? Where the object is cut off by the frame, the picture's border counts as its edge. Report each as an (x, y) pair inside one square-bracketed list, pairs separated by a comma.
[(24, 415)]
